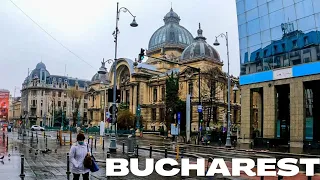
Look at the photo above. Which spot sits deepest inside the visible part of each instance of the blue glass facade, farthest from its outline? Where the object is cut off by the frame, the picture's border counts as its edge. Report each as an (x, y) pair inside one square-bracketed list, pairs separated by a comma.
[(278, 33)]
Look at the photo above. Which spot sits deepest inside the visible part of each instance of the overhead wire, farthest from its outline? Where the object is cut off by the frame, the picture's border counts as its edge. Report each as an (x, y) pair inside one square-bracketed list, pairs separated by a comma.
[(65, 47)]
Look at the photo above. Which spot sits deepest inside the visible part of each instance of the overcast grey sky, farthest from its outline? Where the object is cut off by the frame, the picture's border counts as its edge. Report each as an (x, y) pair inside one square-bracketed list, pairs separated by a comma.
[(86, 27)]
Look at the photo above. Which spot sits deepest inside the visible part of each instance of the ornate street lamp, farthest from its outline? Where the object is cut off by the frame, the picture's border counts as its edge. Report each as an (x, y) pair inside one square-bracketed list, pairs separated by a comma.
[(216, 43), (113, 144)]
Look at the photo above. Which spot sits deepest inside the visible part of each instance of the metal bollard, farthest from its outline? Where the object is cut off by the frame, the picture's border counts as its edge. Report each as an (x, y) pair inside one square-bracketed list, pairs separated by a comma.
[(28, 133), (309, 147), (91, 145), (37, 138), (122, 147), (108, 154), (268, 145), (68, 167), (64, 140), (309, 177), (22, 175), (7, 142), (150, 155), (102, 143), (137, 150), (261, 178), (46, 143), (31, 134), (165, 153), (95, 142), (280, 177)]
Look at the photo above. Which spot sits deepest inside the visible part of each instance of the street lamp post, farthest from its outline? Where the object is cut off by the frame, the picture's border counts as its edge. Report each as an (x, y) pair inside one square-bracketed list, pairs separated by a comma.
[(216, 43), (113, 146)]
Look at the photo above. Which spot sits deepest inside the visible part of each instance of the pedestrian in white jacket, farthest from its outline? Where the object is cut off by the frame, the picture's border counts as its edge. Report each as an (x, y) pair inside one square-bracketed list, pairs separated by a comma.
[(77, 153)]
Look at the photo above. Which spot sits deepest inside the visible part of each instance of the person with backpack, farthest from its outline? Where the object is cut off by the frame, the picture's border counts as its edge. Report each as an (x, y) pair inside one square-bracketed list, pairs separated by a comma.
[(78, 152)]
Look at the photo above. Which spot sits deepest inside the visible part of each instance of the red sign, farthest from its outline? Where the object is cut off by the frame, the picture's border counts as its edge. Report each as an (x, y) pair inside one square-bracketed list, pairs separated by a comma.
[(4, 105)]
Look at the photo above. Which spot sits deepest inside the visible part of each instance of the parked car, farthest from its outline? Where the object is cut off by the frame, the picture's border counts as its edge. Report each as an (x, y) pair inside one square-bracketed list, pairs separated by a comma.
[(37, 128)]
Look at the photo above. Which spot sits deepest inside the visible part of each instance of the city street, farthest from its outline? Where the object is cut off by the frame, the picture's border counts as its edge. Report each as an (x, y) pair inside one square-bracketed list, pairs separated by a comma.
[(53, 165)]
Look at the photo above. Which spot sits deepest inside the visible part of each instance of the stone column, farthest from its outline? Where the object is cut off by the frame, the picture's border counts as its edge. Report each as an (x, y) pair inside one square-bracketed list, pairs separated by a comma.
[(297, 108), (245, 113), (269, 112)]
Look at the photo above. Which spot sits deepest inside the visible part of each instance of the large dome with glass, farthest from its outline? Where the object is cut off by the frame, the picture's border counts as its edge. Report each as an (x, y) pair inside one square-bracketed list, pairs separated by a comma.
[(170, 34)]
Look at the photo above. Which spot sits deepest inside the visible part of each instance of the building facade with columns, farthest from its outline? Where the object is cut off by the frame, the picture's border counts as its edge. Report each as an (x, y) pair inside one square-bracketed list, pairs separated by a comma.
[(280, 54), (144, 84), (43, 95)]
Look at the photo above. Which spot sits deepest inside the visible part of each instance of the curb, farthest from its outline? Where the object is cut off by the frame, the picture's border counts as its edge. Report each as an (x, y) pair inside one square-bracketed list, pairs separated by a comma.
[(256, 151)]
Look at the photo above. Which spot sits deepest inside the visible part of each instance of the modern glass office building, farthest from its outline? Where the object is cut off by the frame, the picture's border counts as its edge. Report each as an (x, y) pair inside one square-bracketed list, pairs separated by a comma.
[(280, 65)]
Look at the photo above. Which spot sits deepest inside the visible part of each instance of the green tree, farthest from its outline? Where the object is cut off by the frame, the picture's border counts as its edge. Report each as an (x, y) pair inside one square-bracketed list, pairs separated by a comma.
[(60, 119), (172, 98), (125, 119)]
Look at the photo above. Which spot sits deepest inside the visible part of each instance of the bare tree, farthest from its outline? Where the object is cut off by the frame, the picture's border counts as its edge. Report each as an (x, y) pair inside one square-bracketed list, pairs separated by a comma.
[(75, 96), (213, 91)]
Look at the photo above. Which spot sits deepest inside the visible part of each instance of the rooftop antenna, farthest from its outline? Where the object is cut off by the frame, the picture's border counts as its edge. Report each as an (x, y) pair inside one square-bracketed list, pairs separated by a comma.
[(65, 69), (171, 5)]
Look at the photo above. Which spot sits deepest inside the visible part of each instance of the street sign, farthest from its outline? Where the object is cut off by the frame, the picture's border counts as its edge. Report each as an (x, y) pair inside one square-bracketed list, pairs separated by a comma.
[(179, 117), (199, 108)]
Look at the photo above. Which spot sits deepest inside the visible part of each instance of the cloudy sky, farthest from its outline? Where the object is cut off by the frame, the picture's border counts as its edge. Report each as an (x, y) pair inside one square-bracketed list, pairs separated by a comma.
[(85, 27)]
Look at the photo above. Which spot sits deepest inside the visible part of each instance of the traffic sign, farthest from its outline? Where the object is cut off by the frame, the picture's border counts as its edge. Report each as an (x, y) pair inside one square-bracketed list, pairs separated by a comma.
[(179, 117), (199, 108)]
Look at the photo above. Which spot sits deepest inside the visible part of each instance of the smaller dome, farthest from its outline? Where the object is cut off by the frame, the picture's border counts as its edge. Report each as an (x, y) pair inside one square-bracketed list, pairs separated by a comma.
[(102, 76), (171, 16), (40, 72), (41, 65), (200, 49)]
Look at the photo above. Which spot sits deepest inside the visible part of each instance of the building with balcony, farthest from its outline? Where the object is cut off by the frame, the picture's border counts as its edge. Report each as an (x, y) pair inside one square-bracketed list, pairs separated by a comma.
[(280, 69), (46, 98)]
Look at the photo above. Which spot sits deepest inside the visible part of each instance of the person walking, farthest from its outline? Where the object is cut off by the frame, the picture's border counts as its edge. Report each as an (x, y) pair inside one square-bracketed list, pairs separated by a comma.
[(78, 153)]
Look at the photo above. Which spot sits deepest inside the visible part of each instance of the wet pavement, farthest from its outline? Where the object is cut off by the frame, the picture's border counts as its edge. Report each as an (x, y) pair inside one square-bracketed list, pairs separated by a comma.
[(53, 165)]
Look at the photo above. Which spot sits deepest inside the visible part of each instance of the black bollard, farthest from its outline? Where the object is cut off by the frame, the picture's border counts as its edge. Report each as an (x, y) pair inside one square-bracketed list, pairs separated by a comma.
[(46, 143), (288, 146), (68, 167), (309, 147), (150, 151), (95, 142), (31, 134), (28, 133), (280, 177), (261, 178), (91, 145), (137, 150), (309, 177), (123, 147), (88, 140), (165, 153), (103, 143), (64, 140), (108, 154), (7, 142), (37, 137), (268, 145), (22, 175)]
